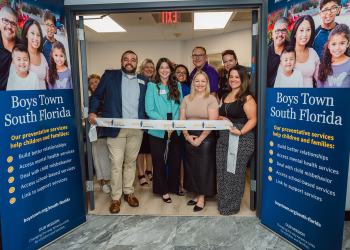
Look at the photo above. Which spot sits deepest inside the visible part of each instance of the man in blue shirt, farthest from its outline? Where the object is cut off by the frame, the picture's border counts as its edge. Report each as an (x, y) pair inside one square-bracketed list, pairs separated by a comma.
[(122, 93), (200, 61), (50, 27), (329, 9)]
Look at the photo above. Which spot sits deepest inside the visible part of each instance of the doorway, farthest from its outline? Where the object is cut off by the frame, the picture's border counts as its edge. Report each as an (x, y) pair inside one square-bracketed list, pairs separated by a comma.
[(175, 41)]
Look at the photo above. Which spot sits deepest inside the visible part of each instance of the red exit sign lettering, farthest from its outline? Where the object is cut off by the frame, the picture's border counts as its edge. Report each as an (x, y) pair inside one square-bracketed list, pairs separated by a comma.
[(169, 17)]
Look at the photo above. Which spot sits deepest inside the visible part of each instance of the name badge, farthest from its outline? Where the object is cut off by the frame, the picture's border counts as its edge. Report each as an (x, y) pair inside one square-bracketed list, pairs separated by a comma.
[(141, 81), (162, 92)]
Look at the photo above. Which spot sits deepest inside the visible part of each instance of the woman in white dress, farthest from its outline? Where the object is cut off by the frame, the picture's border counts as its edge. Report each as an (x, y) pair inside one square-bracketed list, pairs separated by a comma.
[(307, 60), (32, 36)]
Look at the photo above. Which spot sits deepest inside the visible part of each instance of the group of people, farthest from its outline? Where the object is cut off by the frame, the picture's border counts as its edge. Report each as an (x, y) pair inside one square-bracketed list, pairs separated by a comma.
[(32, 61), (310, 57), (199, 162)]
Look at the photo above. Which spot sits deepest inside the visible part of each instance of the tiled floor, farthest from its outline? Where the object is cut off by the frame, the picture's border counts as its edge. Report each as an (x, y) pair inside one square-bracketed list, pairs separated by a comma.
[(151, 204), (177, 233)]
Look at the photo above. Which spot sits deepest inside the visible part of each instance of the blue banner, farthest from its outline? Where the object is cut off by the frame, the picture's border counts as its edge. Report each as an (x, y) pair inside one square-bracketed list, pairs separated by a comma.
[(306, 166), (307, 147), (41, 188)]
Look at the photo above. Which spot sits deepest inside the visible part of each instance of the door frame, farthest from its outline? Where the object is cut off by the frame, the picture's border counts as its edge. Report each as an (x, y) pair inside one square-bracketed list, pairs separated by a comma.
[(73, 10)]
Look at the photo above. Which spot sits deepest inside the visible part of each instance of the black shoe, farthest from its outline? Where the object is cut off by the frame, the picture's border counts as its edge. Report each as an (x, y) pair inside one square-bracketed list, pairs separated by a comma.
[(191, 202), (197, 209), (181, 193)]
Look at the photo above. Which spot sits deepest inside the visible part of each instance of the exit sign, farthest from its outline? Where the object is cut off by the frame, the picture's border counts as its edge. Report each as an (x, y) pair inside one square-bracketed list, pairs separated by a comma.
[(169, 17)]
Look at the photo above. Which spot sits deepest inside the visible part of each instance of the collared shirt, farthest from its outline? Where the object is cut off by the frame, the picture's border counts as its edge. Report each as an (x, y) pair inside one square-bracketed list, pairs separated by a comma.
[(321, 38), (5, 64), (212, 74), (130, 96), (47, 46)]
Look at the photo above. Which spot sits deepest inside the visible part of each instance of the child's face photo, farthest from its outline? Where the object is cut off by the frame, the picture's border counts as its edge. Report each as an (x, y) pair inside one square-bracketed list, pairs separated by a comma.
[(21, 61), (337, 45), (58, 57), (33, 36), (50, 28), (328, 12), (288, 61)]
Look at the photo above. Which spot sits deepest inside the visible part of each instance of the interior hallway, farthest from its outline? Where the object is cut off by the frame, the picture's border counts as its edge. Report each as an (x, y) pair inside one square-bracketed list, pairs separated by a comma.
[(177, 233)]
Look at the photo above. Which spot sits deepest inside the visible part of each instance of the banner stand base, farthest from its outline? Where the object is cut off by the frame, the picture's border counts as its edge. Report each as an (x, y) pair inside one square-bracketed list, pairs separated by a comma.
[(63, 235)]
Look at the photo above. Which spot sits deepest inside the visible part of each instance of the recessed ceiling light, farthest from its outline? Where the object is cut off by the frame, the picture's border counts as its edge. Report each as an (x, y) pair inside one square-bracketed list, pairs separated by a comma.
[(211, 20), (102, 24)]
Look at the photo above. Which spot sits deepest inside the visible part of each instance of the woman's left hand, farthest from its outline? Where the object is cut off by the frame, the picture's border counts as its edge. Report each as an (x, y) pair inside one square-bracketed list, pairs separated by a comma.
[(235, 131)]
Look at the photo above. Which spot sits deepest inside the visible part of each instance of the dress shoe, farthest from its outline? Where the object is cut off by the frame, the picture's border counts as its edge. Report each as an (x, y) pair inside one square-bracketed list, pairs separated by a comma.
[(197, 208), (191, 202), (115, 207), (131, 200)]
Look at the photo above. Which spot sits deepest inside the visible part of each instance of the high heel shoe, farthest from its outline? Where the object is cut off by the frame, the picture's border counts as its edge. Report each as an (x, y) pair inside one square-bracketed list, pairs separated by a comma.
[(197, 208), (166, 200), (191, 202), (149, 175)]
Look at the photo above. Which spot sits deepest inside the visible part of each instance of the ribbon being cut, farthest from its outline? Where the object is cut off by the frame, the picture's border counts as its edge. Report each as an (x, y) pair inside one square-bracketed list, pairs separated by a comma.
[(171, 125)]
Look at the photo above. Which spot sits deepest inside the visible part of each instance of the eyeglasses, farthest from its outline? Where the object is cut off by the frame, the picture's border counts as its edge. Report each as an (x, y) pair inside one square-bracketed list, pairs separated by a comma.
[(180, 73), (282, 31), (52, 26), (332, 10), (8, 22), (198, 55)]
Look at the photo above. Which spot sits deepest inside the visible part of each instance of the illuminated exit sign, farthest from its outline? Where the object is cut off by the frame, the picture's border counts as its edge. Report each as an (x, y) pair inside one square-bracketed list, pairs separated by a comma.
[(169, 17)]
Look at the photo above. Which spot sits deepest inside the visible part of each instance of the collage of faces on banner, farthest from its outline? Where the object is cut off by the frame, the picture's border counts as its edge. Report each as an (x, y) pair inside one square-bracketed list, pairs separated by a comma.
[(33, 48), (309, 45)]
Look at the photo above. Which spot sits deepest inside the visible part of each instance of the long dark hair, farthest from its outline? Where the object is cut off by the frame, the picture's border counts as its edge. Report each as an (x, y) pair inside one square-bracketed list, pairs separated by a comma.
[(53, 76), (25, 29), (296, 26), (174, 92), (326, 66), (244, 89)]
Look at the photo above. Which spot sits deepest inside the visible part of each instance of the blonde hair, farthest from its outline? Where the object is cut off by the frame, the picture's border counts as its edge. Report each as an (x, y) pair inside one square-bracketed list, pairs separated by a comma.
[(207, 88), (143, 66), (92, 76)]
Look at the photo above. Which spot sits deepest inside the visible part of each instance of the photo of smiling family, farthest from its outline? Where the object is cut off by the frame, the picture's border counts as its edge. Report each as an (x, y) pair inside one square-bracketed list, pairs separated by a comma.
[(32, 49), (309, 45)]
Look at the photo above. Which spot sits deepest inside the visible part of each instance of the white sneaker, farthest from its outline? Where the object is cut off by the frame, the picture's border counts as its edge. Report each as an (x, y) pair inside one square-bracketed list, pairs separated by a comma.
[(106, 188)]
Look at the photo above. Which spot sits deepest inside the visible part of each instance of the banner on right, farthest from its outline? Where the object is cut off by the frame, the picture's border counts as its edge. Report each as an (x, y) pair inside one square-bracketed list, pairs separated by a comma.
[(307, 121)]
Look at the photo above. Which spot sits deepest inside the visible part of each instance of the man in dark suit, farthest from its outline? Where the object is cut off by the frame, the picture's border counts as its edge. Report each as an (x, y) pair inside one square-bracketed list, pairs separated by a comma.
[(123, 93)]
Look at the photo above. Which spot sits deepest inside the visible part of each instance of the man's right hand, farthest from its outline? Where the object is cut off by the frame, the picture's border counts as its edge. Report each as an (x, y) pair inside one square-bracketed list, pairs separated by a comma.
[(92, 118)]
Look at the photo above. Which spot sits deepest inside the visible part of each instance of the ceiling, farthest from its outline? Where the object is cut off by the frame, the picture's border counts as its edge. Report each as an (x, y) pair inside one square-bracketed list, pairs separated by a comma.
[(148, 26)]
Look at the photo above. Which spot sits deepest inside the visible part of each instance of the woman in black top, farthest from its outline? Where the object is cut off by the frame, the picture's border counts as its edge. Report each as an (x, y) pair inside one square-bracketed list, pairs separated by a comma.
[(239, 107)]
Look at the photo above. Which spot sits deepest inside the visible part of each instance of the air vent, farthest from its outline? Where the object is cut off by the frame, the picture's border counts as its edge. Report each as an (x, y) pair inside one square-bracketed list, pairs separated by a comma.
[(183, 17)]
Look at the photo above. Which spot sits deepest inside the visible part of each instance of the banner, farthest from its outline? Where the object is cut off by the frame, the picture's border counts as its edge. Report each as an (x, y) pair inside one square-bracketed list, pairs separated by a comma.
[(40, 177), (307, 124)]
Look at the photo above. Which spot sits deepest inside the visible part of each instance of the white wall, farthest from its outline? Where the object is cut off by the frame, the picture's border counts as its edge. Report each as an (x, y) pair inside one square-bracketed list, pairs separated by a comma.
[(101, 56)]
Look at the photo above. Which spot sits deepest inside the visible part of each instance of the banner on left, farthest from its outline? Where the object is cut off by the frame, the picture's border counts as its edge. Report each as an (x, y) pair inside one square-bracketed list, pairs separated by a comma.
[(40, 177)]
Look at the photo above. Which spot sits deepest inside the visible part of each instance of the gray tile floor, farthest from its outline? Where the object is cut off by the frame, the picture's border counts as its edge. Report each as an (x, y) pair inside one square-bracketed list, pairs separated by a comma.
[(176, 233)]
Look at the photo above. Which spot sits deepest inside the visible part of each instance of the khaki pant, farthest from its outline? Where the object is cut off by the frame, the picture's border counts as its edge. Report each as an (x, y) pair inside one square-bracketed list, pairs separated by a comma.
[(123, 151)]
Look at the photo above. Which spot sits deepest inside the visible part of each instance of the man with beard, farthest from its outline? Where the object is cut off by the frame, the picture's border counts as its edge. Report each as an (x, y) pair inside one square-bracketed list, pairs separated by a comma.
[(279, 36), (123, 95), (8, 27)]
